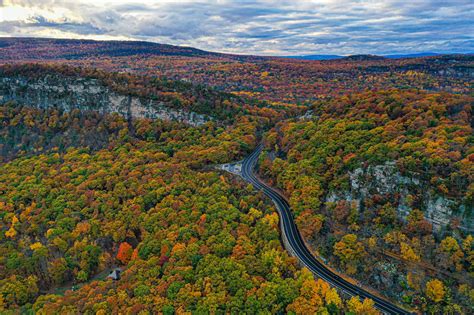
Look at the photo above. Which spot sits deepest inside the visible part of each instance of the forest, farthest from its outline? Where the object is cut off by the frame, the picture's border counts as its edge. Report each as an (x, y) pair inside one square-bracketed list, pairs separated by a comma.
[(359, 227), (375, 157), (188, 240)]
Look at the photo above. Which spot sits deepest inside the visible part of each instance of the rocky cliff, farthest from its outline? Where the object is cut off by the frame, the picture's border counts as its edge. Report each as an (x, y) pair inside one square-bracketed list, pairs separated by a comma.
[(386, 180), (69, 93)]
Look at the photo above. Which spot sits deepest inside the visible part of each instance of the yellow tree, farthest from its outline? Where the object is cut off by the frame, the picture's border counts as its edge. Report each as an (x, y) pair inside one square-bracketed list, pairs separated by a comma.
[(11, 233), (408, 253), (349, 251), (451, 253), (365, 307), (435, 290), (314, 296)]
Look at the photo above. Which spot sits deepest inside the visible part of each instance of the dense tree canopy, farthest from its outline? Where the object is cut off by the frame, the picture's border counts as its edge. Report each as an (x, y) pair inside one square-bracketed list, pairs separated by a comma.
[(323, 164), (187, 239), (83, 192)]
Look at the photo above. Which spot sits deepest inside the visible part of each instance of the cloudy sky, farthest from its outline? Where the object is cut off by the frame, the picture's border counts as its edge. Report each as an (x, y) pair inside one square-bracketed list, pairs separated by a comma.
[(280, 27)]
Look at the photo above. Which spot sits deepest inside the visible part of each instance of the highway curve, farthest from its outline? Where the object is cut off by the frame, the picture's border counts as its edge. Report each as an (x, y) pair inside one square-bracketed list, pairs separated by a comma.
[(298, 247)]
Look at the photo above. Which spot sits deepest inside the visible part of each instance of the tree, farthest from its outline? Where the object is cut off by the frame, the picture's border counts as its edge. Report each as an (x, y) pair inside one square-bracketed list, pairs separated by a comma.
[(467, 247), (306, 194), (408, 253), (414, 280), (82, 276), (365, 307), (435, 290), (333, 299), (315, 296), (451, 253), (309, 224), (349, 251), (124, 253), (57, 270), (11, 233), (417, 224)]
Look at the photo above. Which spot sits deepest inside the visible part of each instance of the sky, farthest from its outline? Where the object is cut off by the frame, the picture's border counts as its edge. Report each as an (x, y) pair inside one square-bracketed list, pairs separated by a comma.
[(286, 27)]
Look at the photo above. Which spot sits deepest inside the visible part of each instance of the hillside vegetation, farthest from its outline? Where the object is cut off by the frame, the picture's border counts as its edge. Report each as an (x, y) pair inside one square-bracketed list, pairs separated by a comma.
[(364, 176), (108, 159), (188, 240)]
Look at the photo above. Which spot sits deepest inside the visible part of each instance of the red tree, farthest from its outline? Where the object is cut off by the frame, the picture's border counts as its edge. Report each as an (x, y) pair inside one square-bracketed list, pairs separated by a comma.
[(124, 253)]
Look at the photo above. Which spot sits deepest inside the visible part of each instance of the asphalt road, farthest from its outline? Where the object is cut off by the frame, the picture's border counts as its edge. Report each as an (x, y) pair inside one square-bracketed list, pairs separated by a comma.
[(298, 247)]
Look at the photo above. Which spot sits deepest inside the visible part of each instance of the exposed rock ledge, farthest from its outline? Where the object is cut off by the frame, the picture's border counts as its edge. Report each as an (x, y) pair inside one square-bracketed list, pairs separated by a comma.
[(386, 179), (88, 94)]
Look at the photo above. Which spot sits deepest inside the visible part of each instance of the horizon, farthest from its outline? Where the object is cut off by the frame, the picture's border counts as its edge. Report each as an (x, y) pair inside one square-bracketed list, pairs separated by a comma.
[(334, 55), (257, 27)]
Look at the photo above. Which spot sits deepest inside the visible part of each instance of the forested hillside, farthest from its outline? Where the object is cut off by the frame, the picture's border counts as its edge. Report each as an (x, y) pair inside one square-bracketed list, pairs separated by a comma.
[(277, 80), (46, 48), (370, 177), (187, 239)]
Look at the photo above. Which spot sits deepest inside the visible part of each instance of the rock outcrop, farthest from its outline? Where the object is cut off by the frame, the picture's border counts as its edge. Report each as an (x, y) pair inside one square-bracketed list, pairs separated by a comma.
[(69, 93), (386, 180)]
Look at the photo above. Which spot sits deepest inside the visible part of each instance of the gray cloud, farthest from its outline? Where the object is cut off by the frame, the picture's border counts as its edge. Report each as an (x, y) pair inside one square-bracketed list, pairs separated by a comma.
[(262, 27)]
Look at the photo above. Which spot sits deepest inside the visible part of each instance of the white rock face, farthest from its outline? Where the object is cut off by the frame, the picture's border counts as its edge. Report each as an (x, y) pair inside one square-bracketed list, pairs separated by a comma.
[(439, 210), (386, 179), (89, 94)]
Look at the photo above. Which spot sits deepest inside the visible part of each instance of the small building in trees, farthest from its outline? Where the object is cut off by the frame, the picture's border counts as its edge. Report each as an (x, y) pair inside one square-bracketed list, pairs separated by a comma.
[(115, 274)]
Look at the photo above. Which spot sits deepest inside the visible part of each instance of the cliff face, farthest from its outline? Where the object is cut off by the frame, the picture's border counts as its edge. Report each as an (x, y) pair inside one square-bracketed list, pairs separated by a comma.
[(69, 93), (386, 180)]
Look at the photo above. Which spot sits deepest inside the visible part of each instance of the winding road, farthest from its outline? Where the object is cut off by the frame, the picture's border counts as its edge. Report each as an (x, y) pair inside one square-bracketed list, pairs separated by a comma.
[(295, 244)]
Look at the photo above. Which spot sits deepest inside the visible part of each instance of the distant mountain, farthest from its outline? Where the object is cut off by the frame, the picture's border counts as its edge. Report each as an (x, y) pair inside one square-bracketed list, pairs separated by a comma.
[(29, 48), (363, 58), (333, 57), (14, 48), (360, 57), (80, 48), (415, 55), (316, 57)]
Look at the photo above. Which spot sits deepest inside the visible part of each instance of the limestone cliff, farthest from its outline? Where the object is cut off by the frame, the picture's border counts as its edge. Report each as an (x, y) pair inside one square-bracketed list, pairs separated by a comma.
[(69, 93)]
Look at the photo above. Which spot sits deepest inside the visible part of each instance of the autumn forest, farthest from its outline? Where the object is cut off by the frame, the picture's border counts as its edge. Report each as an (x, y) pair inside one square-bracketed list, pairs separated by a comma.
[(111, 159)]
